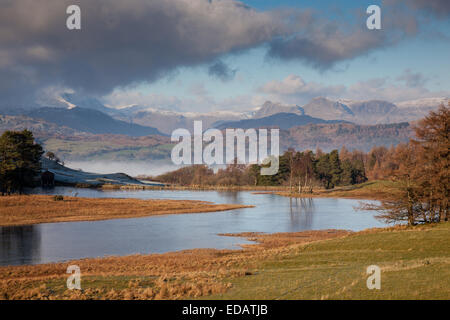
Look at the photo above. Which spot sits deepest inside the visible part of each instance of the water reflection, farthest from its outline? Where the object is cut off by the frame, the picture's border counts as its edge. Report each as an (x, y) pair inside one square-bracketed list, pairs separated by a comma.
[(20, 245), (301, 213)]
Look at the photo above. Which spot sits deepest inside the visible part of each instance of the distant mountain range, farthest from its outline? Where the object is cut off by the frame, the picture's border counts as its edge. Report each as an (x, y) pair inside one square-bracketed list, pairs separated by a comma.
[(370, 112), (90, 120), (84, 128), (167, 121), (145, 120)]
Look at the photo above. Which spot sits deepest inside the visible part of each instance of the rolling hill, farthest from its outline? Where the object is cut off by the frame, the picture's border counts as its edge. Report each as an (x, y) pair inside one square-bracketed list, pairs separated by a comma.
[(278, 120), (352, 136), (89, 120)]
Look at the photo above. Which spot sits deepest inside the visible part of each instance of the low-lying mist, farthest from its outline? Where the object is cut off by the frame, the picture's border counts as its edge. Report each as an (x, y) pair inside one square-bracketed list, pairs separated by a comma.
[(132, 168)]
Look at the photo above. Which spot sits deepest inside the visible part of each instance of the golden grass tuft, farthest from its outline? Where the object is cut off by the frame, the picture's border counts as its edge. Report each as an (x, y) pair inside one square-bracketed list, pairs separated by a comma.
[(178, 275), (33, 209), (371, 190)]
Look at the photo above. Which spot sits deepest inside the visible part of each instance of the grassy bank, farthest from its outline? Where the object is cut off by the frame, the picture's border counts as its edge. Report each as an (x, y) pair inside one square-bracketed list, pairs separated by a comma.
[(374, 190), (195, 187), (414, 262), (33, 209), (326, 264)]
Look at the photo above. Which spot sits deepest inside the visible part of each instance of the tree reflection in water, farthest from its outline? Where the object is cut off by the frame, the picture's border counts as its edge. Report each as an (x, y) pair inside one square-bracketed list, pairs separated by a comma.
[(301, 210), (19, 245)]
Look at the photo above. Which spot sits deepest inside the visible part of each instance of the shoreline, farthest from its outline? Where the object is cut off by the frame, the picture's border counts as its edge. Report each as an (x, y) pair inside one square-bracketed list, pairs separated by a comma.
[(370, 190), (37, 209), (24, 212), (259, 271), (330, 196)]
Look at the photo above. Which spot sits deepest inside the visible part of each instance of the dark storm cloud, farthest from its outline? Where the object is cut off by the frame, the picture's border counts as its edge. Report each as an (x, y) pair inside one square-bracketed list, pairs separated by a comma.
[(221, 71), (323, 48), (127, 42), (439, 8), (121, 42), (323, 43)]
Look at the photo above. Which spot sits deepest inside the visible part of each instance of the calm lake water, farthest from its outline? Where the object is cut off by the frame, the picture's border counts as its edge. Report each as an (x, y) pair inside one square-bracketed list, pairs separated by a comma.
[(52, 242)]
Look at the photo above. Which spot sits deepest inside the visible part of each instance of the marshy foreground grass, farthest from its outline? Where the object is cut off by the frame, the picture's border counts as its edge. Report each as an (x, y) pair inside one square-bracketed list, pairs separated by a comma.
[(33, 209), (327, 264)]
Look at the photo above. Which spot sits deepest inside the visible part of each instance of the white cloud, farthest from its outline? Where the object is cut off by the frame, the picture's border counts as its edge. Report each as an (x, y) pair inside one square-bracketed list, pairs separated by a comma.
[(383, 89), (295, 90), (200, 101)]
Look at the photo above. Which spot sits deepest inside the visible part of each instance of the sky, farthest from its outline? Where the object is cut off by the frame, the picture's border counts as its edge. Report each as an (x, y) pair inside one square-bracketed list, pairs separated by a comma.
[(202, 56)]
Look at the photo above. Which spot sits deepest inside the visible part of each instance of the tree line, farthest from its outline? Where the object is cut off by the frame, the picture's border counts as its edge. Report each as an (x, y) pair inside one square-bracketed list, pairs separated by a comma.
[(20, 162), (421, 170), (301, 171)]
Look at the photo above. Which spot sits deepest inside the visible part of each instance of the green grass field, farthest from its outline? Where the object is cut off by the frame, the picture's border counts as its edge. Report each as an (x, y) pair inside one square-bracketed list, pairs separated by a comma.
[(415, 264)]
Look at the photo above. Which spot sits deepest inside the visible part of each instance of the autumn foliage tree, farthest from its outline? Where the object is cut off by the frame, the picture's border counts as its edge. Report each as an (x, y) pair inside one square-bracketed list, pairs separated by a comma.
[(433, 140), (421, 172)]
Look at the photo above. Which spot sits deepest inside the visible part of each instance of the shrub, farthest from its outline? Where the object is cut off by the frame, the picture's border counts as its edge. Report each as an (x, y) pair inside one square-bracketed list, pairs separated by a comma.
[(58, 198)]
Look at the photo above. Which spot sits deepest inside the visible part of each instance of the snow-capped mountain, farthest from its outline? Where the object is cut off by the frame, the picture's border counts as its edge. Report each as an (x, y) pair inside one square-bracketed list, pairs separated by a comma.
[(425, 102), (269, 108), (366, 112)]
